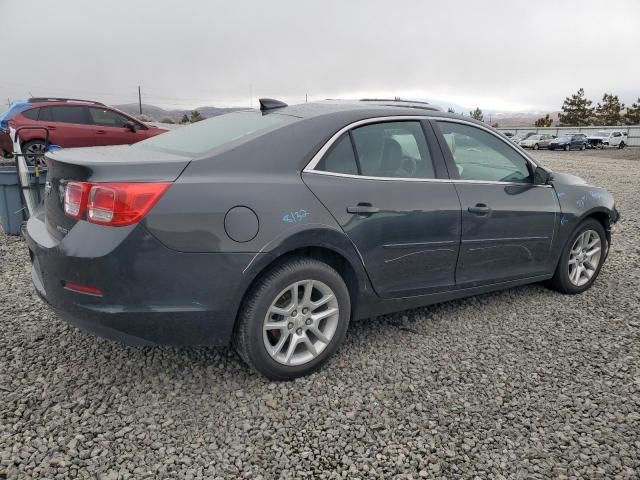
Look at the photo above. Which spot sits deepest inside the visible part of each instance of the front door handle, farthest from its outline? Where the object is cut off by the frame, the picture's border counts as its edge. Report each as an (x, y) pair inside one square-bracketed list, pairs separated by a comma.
[(479, 209), (50, 127), (100, 132), (363, 209)]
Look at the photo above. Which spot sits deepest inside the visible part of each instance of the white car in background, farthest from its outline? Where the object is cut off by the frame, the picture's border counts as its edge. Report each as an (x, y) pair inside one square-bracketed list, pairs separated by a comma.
[(539, 140), (615, 138)]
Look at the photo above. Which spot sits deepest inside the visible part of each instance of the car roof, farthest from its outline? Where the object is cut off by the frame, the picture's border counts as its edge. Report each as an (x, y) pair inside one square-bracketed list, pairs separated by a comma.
[(44, 101), (361, 110)]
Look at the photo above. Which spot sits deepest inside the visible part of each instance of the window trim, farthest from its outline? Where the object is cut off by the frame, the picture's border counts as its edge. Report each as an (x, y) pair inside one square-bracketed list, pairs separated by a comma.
[(311, 165)]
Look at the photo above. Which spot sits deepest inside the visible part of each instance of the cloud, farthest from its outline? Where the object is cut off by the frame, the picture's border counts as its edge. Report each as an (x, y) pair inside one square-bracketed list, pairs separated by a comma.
[(497, 55)]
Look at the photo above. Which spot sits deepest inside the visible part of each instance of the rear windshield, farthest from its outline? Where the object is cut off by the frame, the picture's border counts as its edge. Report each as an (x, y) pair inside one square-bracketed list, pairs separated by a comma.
[(215, 132)]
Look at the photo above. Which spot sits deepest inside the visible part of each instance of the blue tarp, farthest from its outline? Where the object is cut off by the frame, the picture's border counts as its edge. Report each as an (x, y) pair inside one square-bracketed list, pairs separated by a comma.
[(14, 108)]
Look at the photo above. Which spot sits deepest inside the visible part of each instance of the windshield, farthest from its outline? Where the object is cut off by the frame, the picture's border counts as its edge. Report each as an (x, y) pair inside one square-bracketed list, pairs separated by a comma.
[(206, 135)]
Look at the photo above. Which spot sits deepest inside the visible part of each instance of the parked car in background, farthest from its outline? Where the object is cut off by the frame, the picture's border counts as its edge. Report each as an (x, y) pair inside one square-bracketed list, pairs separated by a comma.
[(569, 141), (273, 229), (601, 139), (540, 140), (71, 123), (522, 136)]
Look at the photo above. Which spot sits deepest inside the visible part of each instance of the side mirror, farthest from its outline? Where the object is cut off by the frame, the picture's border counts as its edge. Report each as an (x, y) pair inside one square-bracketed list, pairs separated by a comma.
[(130, 126), (542, 176)]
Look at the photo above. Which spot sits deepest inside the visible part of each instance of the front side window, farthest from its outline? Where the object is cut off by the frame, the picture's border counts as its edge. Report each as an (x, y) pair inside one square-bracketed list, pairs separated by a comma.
[(69, 114), (393, 149), (481, 156), (107, 118)]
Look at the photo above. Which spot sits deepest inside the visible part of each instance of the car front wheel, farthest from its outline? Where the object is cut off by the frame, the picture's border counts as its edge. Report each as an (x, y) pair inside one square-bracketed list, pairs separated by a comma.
[(582, 259), (293, 319), (536, 146), (567, 148), (621, 145)]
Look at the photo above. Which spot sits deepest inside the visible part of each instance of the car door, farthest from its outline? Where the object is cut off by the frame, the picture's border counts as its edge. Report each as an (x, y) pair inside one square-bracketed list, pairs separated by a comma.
[(112, 129), (508, 221), (386, 185), (69, 125)]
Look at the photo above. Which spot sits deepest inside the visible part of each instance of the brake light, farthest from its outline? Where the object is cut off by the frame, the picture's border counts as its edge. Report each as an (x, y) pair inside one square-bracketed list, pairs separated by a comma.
[(114, 204)]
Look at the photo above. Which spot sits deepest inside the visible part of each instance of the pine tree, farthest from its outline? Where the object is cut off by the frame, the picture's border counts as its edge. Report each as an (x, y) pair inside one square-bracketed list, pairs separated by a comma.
[(632, 116), (451, 110), (196, 116), (545, 121), (477, 114), (577, 110), (608, 112)]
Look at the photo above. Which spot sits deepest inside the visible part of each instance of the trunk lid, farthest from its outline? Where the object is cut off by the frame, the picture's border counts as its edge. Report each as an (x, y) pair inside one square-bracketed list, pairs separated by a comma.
[(121, 163)]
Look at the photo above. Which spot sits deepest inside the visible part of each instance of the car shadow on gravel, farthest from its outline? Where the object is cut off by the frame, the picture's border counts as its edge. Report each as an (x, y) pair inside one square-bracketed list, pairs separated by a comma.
[(214, 367)]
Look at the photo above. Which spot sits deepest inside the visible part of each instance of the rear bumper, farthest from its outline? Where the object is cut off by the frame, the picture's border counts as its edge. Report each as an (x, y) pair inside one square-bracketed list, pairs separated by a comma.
[(151, 294)]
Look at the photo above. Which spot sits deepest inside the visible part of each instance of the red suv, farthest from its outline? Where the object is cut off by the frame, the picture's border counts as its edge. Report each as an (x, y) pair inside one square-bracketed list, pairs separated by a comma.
[(71, 123)]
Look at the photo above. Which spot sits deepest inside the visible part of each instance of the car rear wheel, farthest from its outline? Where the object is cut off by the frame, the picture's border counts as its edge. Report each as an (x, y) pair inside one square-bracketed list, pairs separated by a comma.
[(582, 259), (536, 146), (34, 151), (567, 148), (293, 319), (583, 146)]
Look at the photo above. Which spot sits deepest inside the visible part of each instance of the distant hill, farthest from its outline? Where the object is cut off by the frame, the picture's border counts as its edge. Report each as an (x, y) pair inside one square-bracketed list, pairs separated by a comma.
[(157, 113)]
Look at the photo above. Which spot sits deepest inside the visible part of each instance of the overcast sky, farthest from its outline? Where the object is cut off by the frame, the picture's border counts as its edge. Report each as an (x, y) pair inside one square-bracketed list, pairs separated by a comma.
[(499, 55)]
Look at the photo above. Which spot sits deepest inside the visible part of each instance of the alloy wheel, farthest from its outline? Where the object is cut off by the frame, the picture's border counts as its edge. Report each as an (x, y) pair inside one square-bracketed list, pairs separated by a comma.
[(300, 323), (584, 257), (34, 153)]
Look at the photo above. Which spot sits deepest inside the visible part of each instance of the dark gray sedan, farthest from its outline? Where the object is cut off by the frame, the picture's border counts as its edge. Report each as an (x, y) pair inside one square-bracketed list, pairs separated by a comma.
[(273, 229)]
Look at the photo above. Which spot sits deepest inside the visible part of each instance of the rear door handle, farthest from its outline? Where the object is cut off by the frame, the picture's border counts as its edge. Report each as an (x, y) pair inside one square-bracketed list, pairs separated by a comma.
[(479, 209), (363, 209), (100, 132), (50, 127)]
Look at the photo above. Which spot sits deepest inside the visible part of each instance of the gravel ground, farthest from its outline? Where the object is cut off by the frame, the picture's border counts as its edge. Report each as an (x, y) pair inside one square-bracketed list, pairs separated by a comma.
[(524, 383)]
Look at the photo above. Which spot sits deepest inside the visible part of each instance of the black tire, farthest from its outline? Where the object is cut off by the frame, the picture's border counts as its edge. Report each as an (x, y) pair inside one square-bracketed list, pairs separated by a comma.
[(536, 146), (583, 146), (567, 148), (248, 336), (560, 280), (33, 145), (621, 145)]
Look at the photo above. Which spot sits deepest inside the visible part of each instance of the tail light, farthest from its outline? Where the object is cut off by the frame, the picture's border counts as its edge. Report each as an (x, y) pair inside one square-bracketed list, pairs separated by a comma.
[(113, 204)]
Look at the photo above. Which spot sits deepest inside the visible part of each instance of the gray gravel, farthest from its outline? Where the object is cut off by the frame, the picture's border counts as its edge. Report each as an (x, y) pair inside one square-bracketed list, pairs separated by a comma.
[(524, 383)]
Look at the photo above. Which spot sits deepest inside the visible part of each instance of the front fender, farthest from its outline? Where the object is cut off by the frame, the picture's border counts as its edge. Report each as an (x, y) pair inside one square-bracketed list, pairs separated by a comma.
[(577, 202)]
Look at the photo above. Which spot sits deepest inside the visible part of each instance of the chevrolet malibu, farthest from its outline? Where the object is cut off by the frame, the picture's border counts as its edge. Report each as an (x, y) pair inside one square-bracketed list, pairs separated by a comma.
[(272, 230)]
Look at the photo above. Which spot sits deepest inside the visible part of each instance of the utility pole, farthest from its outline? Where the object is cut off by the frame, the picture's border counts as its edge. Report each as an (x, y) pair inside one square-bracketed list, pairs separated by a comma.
[(139, 100)]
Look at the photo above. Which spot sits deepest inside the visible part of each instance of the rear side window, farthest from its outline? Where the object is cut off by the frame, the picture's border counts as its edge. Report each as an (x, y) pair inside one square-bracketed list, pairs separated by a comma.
[(31, 114), (215, 132), (69, 114), (45, 115), (340, 158), (393, 149)]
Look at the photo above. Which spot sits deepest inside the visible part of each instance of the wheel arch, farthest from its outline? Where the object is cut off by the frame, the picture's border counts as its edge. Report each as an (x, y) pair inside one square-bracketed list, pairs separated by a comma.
[(326, 245)]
